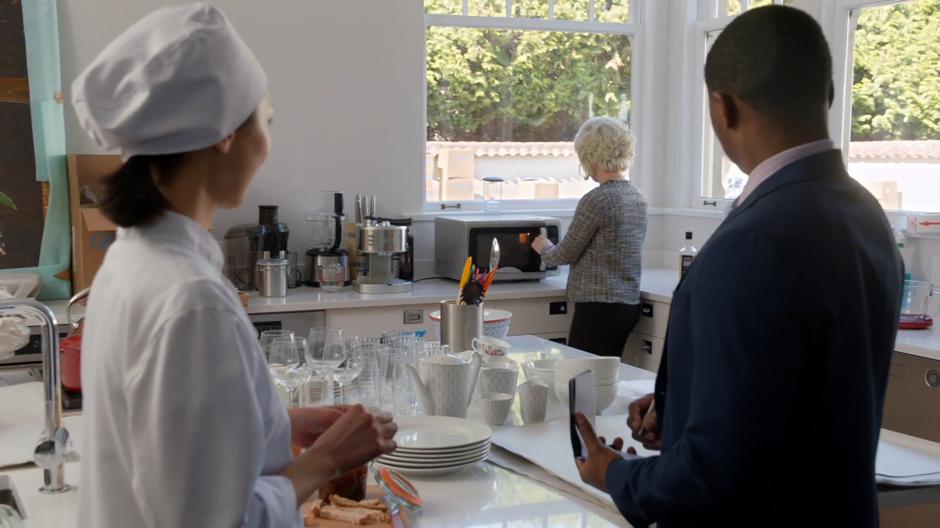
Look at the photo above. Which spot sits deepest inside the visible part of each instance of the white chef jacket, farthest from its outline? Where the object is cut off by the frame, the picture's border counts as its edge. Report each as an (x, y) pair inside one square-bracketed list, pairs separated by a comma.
[(183, 426)]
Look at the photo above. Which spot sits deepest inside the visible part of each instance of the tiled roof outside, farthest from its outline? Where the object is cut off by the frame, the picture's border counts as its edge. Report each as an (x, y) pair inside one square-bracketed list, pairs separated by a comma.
[(873, 151), (906, 151)]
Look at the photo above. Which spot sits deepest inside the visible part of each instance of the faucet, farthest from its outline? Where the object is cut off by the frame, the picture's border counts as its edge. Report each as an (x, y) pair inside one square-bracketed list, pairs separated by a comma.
[(53, 444)]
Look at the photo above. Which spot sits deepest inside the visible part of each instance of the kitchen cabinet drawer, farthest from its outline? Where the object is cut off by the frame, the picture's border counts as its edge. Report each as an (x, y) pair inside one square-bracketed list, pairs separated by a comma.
[(372, 322), (912, 400), (529, 317), (643, 351), (654, 317), (534, 316)]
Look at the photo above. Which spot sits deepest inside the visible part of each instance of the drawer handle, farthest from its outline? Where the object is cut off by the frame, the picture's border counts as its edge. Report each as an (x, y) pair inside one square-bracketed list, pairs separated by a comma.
[(646, 310), (647, 346), (932, 378)]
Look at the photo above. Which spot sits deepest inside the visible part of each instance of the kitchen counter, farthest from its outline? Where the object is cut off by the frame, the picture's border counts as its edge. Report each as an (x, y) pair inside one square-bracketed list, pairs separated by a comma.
[(923, 343), (657, 284), (484, 494)]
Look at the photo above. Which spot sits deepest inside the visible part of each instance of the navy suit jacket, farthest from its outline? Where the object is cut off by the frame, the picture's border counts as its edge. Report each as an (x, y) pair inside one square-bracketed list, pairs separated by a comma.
[(772, 382)]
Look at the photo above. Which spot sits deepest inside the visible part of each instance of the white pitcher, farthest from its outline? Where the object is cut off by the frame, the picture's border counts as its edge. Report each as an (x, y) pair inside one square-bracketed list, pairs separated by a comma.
[(445, 384)]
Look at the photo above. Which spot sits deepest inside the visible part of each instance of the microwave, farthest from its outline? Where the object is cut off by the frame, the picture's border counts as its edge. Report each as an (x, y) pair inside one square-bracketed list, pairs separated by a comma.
[(459, 237)]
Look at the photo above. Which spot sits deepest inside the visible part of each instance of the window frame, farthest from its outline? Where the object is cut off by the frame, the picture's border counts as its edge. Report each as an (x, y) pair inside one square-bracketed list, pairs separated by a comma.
[(842, 41), (634, 29), (707, 20)]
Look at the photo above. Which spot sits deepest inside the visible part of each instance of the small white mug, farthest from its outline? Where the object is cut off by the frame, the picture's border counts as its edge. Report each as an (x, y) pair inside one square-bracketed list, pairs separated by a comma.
[(490, 346), (533, 401)]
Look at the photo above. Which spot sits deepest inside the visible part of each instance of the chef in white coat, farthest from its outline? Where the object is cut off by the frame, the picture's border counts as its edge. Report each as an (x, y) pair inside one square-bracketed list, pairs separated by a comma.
[(183, 426)]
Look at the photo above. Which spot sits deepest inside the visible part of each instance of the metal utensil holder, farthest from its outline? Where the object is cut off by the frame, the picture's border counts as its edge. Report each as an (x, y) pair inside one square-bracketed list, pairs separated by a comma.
[(460, 324)]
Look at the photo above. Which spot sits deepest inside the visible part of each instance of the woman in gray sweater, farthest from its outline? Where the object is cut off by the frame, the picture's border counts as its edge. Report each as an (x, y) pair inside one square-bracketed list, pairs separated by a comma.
[(604, 243)]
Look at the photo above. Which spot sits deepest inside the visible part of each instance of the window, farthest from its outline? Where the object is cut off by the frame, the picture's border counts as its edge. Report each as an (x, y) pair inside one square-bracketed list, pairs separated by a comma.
[(719, 180), (893, 129), (509, 82)]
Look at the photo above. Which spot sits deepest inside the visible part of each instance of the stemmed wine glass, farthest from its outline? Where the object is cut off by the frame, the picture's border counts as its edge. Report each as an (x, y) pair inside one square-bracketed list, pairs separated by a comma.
[(326, 351), (286, 367)]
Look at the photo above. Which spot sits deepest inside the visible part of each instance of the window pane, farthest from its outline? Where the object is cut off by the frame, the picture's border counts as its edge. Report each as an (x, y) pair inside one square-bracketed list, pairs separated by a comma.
[(734, 7), (443, 7), (571, 9), (613, 10), (720, 177), (487, 7), (507, 104), (530, 8), (894, 150)]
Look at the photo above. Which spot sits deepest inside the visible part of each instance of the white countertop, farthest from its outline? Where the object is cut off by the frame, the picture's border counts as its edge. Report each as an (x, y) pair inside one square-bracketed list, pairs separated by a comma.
[(923, 343), (657, 284), (484, 494)]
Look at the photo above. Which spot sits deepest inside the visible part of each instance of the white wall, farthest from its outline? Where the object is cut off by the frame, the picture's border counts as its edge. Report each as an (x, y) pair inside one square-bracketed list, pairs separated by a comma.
[(346, 81)]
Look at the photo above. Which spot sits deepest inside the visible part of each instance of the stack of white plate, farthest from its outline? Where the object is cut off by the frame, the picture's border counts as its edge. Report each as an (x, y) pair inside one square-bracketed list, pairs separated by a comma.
[(437, 445)]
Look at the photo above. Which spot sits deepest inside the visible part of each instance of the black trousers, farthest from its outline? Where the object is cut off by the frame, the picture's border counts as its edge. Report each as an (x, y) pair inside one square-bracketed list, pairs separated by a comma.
[(602, 328)]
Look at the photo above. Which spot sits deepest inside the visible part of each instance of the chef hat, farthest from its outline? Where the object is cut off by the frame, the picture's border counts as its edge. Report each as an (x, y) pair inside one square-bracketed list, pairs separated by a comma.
[(180, 79)]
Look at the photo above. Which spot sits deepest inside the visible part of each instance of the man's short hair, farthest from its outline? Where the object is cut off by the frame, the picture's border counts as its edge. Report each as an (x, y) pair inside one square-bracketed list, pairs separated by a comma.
[(773, 58)]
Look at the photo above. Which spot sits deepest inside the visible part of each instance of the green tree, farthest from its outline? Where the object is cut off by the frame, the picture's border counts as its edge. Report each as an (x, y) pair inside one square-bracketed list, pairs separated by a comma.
[(896, 90), (502, 85)]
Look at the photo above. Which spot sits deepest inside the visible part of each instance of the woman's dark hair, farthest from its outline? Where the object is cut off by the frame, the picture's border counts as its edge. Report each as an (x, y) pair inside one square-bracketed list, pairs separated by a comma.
[(131, 195)]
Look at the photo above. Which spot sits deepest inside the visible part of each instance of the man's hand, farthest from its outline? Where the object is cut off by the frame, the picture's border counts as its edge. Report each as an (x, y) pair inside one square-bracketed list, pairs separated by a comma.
[(308, 423), (593, 468), (644, 423), (541, 243)]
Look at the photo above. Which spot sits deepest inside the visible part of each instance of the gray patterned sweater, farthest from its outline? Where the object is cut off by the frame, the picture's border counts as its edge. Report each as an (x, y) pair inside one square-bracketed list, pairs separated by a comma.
[(604, 245)]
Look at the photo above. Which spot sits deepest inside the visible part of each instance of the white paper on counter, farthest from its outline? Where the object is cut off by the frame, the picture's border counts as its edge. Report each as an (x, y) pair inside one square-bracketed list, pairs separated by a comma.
[(548, 445), (904, 460), (22, 420)]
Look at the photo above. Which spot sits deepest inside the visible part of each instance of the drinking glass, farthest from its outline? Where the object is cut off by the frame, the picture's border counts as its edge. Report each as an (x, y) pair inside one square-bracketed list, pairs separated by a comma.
[(348, 373), (326, 351), (370, 379), (286, 369), (268, 336)]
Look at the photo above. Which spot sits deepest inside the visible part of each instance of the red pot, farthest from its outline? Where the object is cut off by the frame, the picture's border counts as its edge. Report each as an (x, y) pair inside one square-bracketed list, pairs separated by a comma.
[(70, 354)]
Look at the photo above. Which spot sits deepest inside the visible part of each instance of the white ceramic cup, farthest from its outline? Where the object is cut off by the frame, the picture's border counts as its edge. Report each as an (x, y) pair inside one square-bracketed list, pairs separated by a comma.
[(490, 346), (498, 379), (495, 406), (533, 401)]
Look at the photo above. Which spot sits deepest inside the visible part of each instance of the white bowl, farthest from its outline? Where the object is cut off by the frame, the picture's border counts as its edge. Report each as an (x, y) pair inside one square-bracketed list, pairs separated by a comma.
[(605, 368), (606, 394)]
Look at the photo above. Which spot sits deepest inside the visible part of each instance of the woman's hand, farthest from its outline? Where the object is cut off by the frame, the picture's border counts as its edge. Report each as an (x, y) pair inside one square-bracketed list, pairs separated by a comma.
[(354, 439), (541, 243), (308, 423)]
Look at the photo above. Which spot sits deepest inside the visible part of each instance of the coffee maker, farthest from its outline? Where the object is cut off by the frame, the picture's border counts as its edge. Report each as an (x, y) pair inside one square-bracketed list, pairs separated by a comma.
[(327, 261), (379, 243)]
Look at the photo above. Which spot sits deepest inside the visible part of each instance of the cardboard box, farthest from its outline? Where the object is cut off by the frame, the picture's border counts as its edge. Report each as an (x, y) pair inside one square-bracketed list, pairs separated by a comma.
[(92, 233)]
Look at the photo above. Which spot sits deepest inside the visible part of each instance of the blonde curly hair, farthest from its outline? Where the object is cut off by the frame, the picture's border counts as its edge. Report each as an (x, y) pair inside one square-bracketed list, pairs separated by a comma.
[(605, 143)]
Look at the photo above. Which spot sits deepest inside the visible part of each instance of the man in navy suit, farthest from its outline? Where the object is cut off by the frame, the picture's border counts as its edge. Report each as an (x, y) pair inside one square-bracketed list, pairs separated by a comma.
[(771, 387)]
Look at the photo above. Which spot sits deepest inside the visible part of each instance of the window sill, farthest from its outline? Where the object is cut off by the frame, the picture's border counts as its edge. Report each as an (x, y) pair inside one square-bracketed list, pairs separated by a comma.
[(717, 214)]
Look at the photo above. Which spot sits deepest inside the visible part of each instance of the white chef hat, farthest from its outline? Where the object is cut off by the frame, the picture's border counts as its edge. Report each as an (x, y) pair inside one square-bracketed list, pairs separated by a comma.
[(180, 79)]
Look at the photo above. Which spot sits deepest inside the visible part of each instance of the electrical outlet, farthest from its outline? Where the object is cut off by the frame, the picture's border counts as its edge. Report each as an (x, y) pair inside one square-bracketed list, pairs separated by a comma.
[(935, 271)]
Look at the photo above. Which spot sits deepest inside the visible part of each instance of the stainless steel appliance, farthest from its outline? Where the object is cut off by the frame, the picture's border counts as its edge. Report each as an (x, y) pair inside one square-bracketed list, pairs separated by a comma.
[(327, 261), (912, 400), (245, 244), (457, 237), (379, 243)]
